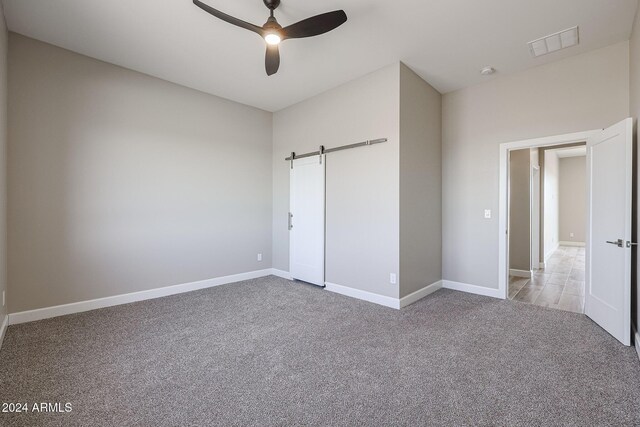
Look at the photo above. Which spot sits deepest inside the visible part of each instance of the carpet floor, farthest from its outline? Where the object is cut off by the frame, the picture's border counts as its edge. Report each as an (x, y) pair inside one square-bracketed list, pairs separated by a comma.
[(272, 352)]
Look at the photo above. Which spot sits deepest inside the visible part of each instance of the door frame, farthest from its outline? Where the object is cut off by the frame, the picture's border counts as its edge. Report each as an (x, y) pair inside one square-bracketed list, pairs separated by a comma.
[(534, 212), (503, 196)]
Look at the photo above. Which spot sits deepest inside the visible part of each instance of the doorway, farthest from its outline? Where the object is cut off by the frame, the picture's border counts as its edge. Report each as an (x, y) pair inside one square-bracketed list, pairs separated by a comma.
[(547, 226), (608, 249)]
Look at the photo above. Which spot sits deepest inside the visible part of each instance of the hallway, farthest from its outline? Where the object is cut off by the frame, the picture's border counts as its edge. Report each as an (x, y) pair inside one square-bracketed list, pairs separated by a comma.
[(560, 285)]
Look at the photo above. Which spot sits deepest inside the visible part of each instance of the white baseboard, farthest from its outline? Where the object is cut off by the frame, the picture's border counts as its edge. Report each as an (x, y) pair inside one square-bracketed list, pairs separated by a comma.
[(78, 307), (577, 244), (472, 289), (420, 293), (370, 296), (3, 329), (363, 295), (636, 341), (281, 273), (521, 273)]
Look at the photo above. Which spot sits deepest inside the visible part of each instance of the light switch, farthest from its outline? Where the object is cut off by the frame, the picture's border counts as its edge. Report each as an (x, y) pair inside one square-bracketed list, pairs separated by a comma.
[(487, 213), (259, 257), (393, 279)]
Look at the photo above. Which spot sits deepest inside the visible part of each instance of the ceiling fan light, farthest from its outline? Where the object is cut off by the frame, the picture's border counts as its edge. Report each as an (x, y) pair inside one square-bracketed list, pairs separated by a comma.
[(273, 39)]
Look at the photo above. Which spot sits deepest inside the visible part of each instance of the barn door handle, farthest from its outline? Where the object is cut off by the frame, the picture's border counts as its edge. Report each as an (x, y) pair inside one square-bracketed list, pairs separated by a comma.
[(619, 243)]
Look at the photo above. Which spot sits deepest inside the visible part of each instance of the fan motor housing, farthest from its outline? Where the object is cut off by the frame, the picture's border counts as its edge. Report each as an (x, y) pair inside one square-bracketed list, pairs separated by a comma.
[(272, 4)]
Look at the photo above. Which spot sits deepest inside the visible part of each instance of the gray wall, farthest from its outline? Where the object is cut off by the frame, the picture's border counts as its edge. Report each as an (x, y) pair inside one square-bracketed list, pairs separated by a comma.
[(573, 199), (584, 92), (520, 210), (551, 207), (3, 163), (420, 183), (634, 107), (119, 182), (362, 186)]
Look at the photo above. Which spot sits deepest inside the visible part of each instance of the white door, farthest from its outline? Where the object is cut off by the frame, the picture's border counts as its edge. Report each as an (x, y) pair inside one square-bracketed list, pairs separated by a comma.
[(306, 220), (608, 254)]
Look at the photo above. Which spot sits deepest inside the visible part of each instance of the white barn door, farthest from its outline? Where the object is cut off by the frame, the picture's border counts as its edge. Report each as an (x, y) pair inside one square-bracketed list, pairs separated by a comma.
[(307, 220), (608, 274)]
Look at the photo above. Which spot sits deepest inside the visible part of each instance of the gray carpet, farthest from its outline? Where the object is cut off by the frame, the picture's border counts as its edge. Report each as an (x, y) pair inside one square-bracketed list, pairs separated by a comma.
[(271, 352)]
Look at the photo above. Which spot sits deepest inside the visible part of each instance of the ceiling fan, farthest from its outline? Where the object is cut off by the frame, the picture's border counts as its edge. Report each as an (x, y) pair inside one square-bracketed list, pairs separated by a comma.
[(273, 33)]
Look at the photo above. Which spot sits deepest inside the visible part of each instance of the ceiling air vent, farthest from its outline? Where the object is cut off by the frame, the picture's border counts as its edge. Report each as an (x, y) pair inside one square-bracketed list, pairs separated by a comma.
[(560, 40)]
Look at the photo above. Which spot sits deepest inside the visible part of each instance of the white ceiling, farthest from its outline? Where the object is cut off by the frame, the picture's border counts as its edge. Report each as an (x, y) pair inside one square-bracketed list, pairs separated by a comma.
[(446, 42)]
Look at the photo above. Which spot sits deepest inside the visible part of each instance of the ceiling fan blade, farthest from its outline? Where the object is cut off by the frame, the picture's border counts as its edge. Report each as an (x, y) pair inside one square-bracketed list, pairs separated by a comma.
[(315, 25), (228, 18), (272, 60)]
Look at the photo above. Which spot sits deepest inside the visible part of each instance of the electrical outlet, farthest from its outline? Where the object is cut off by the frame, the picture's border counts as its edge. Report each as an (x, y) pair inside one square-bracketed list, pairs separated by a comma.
[(259, 257), (393, 278), (487, 213), (571, 234)]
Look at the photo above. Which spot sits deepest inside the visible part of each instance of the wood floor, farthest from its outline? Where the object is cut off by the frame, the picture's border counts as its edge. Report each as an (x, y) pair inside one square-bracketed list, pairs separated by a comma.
[(560, 285)]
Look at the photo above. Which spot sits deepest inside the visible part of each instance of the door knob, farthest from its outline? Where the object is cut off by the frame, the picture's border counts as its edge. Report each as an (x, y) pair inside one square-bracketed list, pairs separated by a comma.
[(619, 243)]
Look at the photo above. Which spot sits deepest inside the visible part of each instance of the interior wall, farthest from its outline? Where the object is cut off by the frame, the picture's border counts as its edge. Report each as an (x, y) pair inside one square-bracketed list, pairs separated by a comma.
[(520, 210), (573, 199), (420, 183), (634, 107), (583, 92), (119, 182), (362, 184), (551, 202), (3, 163)]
